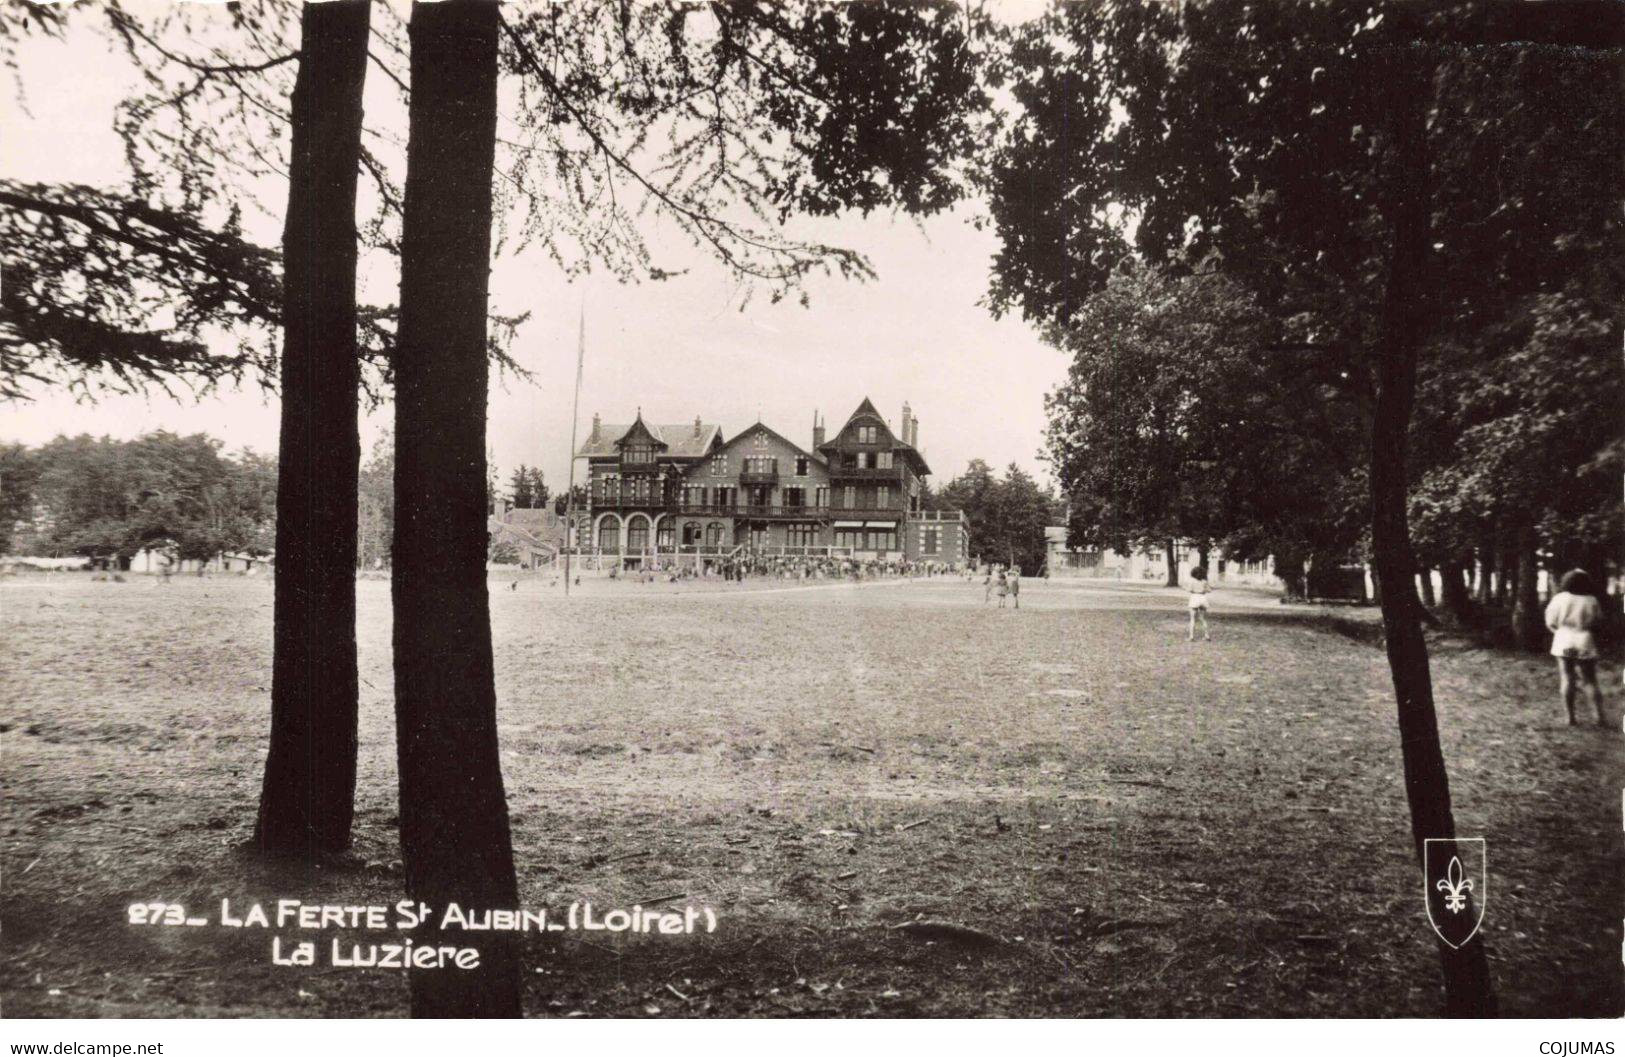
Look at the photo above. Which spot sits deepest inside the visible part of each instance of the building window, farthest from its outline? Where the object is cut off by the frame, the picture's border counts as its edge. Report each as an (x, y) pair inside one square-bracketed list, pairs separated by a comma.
[(691, 534), (637, 538), (665, 535), (821, 497), (795, 497), (719, 465), (866, 434), (929, 541), (882, 497), (760, 440), (638, 454), (801, 536), (801, 466), (761, 464), (609, 537), (883, 459), (713, 534), (863, 460), (849, 498), (882, 540)]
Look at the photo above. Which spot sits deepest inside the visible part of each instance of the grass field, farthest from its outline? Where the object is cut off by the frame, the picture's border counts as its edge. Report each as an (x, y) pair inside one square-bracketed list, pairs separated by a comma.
[(1147, 826)]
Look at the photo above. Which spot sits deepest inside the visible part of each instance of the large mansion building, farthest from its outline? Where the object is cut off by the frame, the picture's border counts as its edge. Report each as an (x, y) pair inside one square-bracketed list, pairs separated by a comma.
[(658, 491)]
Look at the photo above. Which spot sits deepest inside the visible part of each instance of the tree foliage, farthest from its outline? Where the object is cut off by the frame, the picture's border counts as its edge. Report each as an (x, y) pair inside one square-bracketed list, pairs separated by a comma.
[(1248, 139), (1006, 517), (108, 499), (1181, 417)]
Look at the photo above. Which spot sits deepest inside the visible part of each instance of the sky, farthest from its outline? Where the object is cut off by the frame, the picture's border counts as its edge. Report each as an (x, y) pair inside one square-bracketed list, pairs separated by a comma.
[(687, 346)]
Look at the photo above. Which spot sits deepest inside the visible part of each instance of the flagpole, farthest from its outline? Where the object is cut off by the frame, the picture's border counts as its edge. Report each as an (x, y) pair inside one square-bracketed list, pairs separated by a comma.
[(575, 418)]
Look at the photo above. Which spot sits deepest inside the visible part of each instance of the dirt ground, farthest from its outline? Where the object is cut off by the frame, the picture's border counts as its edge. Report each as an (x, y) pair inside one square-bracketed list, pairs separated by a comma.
[(1134, 825)]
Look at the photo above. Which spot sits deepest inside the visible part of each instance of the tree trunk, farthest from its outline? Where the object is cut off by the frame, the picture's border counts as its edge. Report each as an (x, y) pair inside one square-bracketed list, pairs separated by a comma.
[(1485, 592), (1456, 601), (1173, 567), (1289, 569), (1424, 580), (1467, 985), (1506, 574), (455, 840), (308, 799), (1528, 622)]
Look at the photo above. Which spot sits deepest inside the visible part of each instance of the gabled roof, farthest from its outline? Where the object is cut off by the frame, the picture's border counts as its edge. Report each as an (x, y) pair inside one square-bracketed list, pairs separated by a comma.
[(638, 432), (907, 451), (776, 435), (682, 441)]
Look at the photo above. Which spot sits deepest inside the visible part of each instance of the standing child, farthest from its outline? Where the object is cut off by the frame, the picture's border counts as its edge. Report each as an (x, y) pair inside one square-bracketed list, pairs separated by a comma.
[(1004, 586), (987, 586), (1572, 615), (1015, 585), (1199, 590)]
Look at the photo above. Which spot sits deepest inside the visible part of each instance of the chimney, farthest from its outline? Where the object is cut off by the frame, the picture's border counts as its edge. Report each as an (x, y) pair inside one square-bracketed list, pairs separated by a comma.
[(696, 425), (597, 426), (818, 432), (904, 435), (913, 430)]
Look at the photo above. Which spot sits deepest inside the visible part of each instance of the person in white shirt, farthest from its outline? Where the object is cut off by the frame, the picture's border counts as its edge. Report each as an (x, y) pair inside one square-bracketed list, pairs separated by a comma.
[(1199, 590), (1572, 616)]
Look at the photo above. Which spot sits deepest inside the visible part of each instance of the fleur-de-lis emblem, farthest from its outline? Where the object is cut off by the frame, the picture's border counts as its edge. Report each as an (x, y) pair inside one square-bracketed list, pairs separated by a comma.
[(1456, 884)]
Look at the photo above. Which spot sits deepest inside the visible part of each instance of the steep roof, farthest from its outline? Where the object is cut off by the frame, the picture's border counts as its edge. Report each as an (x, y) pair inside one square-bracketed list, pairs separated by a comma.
[(761, 427), (686, 440), (906, 451)]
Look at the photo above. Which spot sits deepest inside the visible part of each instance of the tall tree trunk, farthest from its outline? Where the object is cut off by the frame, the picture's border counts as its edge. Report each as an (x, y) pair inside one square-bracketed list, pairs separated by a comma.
[(308, 799), (1485, 592), (1173, 567), (1467, 985), (1528, 622), (1506, 573), (1456, 600), (1424, 580), (455, 840), (1289, 570)]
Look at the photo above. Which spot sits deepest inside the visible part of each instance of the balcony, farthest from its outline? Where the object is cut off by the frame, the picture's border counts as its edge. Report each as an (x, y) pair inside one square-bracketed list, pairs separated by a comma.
[(759, 477), (890, 513), (753, 510), (621, 502), (786, 511), (870, 474)]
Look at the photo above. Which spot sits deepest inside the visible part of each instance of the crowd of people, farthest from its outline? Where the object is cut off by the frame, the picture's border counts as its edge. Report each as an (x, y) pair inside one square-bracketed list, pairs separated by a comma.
[(800, 568)]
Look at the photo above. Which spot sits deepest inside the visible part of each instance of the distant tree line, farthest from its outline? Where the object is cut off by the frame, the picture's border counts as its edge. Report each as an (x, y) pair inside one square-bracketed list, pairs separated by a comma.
[(109, 499), (1006, 516), (527, 489)]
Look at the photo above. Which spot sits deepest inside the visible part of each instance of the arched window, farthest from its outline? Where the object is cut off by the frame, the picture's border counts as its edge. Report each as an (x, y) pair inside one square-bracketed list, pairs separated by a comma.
[(664, 535), (713, 534), (691, 534), (637, 536), (609, 536)]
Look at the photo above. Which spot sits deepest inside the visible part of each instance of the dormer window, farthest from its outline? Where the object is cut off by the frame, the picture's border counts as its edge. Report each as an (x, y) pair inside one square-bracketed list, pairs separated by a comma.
[(760, 440), (638, 454), (866, 434), (719, 465), (883, 460)]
